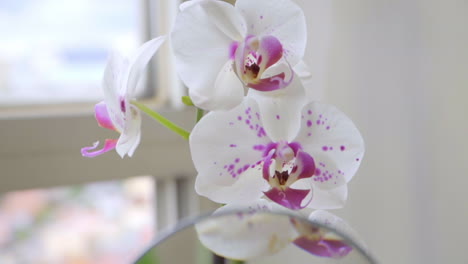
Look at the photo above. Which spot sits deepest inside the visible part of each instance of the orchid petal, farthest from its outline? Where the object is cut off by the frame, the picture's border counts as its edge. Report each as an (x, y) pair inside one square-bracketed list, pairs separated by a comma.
[(228, 91), (102, 116), (281, 110), (302, 70), (328, 241), (139, 61), (201, 39), (271, 50), (248, 187), (280, 67), (114, 72), (282, 19), (108, 146), (186, 4), (289, 197), (324, 248), (329, 199), (305, 166), (333, 222), (334, 142), (225, 145), (269, 84), (246, 235), (130, 137)]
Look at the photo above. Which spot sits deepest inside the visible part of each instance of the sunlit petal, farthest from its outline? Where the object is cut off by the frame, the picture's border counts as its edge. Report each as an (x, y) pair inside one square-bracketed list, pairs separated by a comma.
[(282, 19), (139, 61), (226, 93), (201, 40)]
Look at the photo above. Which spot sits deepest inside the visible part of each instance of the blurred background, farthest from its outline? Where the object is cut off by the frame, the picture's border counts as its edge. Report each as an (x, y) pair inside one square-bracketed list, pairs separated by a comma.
[(398, 68)]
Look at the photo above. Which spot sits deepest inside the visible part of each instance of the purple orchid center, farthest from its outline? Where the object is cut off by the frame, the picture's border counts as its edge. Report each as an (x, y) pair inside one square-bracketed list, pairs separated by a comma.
[(291, 164), (123, 107), (313, 240), (253, 57)]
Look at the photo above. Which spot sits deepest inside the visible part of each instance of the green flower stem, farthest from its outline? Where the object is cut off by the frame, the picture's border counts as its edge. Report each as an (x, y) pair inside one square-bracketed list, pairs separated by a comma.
[(200, 114), (237, 262), (161, 119)]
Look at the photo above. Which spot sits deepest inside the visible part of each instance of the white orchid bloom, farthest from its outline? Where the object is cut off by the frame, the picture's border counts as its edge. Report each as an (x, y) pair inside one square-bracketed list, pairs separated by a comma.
[(262, 228), (221, 49), (116, 112), (253, 233), (327, 241), (245, 154)]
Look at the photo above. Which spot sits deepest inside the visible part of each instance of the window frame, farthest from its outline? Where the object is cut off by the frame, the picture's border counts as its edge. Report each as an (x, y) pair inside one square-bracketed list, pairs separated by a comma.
[(41, 144)]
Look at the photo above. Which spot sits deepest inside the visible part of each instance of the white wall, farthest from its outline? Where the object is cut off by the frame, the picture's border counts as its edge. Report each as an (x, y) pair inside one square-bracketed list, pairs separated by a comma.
[(399, 69)]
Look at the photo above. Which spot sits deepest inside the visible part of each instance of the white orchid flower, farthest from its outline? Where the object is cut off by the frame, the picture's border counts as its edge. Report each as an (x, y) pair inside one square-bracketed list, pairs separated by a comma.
[(327, 241), (116, 112), (247, 230), (221, 49), (262, 228), (244, 154)]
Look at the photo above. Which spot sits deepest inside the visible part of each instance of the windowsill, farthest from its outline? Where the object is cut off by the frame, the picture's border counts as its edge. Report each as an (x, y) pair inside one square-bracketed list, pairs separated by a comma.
[(31, 158)]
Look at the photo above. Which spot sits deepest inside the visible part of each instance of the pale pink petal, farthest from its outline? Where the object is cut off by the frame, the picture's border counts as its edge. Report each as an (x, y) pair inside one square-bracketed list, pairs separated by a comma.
[(282, 19), (201, 40), (102, 116), (225, 145), (108, 146)]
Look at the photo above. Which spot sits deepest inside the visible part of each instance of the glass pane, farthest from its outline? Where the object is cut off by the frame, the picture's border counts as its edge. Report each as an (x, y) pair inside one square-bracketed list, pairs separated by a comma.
[(55, 51), (108, 222), (258, 237)]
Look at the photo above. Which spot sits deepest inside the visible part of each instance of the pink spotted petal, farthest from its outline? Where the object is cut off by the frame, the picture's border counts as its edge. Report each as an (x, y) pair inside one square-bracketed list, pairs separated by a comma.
[(324, 248), (102, 116), (108, 146), (271, 51), (289, 198)]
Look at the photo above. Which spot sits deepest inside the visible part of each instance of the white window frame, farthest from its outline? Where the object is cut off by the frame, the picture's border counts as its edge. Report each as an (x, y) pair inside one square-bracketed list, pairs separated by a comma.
[(40, 144)]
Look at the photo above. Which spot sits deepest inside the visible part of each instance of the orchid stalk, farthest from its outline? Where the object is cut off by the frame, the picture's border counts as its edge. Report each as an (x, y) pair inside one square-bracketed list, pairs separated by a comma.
[(162, 120), (262, 144)]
